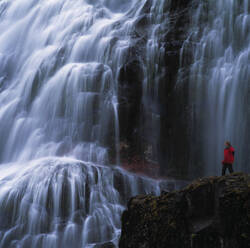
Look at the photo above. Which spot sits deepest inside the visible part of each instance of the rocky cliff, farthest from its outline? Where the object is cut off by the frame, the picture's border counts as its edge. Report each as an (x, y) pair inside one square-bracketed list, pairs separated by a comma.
[(212, 212)]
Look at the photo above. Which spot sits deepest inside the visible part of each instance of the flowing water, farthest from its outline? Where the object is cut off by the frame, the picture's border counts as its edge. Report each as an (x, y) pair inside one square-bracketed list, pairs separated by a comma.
[(59, 64), (154, 70), (58, 67), (219, 80), (59, 129), (61, 202)]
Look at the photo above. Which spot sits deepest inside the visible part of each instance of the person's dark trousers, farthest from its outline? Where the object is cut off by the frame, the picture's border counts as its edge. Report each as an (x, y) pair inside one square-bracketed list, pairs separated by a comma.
[(225, 167)]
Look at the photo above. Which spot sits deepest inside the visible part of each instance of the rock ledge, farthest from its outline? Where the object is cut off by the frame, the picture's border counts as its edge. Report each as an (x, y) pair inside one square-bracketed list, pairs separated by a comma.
[(211, 212)]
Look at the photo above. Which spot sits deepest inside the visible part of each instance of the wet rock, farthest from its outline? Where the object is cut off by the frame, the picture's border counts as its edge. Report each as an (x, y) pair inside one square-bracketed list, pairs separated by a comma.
[(119, 185), (130, 93), (147, 7), (171, 105), (209, 213), (105, 245), (173, 97)]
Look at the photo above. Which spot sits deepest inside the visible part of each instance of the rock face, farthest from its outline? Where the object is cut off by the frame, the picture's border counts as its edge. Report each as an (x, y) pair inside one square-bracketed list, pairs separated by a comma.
[(169, 106), (209, 213), (173, 99)]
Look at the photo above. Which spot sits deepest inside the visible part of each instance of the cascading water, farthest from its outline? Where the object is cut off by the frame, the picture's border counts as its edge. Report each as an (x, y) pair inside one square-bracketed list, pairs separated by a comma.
[(153, 71), (59, 65), (58, 79), (219, 81), (61, 202)]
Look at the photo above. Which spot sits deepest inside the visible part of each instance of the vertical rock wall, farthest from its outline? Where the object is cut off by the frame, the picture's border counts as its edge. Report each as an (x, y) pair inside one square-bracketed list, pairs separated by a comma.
[(171, 104)]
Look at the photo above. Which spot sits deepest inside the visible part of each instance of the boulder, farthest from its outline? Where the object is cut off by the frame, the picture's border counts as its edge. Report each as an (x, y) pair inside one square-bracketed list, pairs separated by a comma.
[(211, 212)]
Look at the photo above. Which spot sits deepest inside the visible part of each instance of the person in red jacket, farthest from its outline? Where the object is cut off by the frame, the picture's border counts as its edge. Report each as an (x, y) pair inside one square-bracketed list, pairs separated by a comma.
[(228, 158)]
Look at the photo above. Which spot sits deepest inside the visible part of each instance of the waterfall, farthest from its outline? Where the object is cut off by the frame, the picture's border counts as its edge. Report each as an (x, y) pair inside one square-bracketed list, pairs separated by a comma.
[(219, 38), (59, 127), (59, 65), (64, 86), (154, 70), (61, 202)]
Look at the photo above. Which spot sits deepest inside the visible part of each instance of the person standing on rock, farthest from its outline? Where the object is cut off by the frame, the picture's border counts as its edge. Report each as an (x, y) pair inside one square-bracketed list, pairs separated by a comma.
[(228, 158)]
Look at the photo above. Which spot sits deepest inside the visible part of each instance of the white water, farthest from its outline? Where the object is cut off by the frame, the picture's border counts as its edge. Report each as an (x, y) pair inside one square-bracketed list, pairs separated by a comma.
[(59, 66), (58, 79), (61, 202), (219, 80), (59, 63)]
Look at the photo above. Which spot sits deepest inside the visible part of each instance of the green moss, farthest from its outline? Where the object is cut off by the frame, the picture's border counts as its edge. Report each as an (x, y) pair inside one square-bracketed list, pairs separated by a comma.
[(244, 235), (193, 235)]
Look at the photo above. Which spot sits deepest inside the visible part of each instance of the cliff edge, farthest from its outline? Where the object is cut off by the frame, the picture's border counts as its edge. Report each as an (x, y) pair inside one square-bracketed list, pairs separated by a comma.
[(212, 212)]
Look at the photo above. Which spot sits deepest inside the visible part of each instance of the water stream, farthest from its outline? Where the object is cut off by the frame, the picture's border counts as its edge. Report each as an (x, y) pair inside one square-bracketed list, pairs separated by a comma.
[(62, 202), (219, 81), (59, 65), (60, 181)]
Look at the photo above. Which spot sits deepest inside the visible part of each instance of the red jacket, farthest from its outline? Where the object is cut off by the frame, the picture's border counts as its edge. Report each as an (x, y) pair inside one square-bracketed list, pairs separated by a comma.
[(228, 155)]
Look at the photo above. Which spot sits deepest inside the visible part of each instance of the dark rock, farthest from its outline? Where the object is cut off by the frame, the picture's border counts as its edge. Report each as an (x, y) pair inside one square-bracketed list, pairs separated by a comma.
[(137, 133), (173, 94), (147, 7), (130, 93), (105, 245), (120, 186), (209, 213)]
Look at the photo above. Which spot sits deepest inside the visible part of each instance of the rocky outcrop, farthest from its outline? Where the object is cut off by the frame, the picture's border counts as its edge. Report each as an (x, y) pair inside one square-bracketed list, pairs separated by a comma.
[(212, 212)]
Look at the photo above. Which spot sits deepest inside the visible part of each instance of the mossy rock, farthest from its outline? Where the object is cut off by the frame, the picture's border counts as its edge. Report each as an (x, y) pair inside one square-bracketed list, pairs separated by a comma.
[(208, 213)]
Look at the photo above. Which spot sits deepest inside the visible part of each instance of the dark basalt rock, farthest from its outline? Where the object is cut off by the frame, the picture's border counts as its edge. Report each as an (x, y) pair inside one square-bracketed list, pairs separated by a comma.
[(209, 213)]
